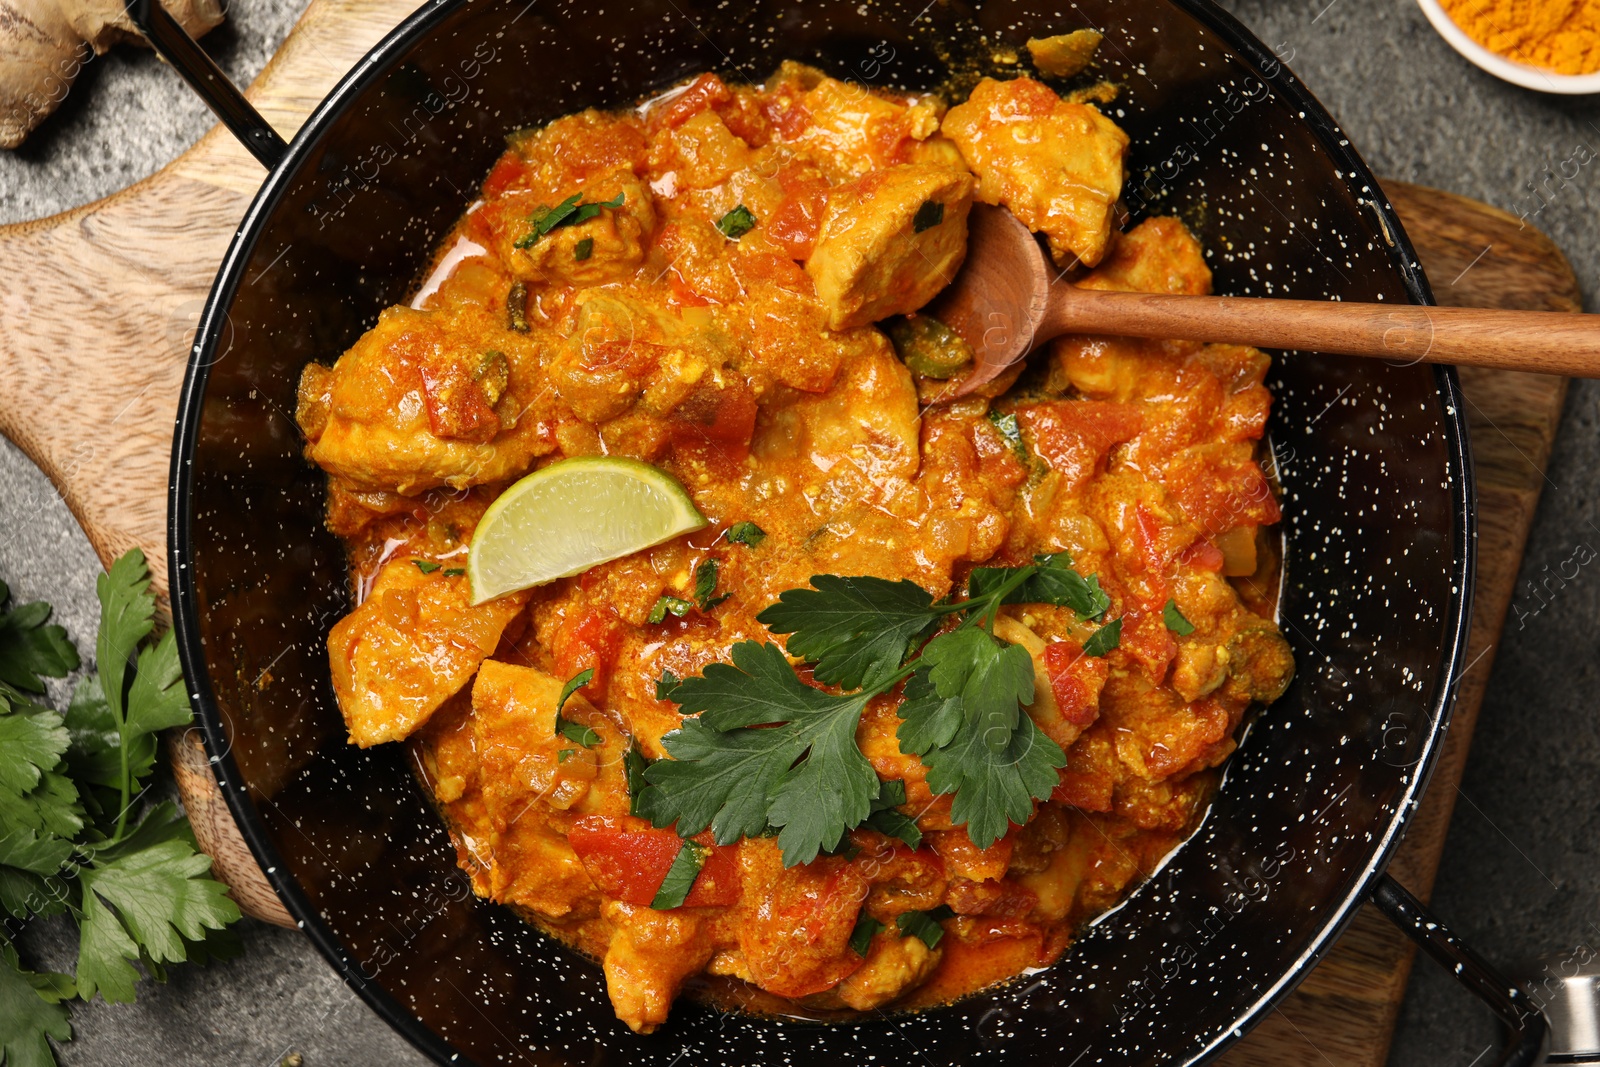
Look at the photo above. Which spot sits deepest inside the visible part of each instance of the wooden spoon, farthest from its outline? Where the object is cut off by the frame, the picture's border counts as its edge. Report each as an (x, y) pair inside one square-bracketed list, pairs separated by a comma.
[(1008, 299)]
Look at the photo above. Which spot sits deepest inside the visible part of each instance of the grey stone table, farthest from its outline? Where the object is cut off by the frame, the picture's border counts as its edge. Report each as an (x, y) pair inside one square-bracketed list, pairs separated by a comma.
[(1522, 863)]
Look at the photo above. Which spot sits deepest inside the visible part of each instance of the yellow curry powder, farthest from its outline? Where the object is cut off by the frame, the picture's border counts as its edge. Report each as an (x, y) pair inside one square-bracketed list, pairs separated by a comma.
[(1558, 35)]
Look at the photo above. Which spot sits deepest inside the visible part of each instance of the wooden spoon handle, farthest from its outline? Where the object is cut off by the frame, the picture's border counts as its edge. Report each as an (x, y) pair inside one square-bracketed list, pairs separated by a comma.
[(1546, 342)]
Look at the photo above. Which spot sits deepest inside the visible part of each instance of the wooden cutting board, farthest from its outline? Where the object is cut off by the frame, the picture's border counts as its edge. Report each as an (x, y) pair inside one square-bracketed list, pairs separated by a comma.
[(102, 307)]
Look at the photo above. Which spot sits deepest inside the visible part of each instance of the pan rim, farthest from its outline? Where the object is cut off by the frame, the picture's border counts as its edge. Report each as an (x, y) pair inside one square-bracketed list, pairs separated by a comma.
[(186, 612)]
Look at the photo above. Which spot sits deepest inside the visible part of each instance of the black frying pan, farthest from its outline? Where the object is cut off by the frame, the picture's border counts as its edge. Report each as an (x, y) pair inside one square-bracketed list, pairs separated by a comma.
[(1378, 517)]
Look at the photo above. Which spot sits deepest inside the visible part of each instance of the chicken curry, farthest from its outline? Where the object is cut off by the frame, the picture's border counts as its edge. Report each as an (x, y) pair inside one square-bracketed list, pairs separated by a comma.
[(709, 284)]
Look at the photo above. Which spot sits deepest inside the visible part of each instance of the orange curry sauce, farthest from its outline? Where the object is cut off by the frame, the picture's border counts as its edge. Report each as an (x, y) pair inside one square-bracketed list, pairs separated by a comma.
[(751, 369)]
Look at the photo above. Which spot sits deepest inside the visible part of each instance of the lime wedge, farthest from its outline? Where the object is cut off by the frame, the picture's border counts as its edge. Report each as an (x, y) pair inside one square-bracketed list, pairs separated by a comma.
[(571, 515)]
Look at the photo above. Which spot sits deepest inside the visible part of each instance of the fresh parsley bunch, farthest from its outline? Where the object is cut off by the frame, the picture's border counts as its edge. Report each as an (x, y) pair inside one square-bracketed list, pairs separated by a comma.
[(762, 751), (78, 834)]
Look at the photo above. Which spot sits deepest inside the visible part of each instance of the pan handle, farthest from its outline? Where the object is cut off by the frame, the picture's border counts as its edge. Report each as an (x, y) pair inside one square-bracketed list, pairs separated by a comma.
[(1524, 1021), (207, 79)]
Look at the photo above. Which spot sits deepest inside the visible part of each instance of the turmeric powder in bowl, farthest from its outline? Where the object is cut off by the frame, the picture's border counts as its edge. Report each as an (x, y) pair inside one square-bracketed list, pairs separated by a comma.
[(1552, 46), (1558, 35)]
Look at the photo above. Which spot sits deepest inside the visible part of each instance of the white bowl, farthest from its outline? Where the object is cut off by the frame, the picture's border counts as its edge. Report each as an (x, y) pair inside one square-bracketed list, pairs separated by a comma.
[(1529, 77)]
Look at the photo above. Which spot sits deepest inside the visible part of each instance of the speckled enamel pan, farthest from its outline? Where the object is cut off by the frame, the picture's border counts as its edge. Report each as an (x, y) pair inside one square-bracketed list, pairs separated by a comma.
[(1373, 461)]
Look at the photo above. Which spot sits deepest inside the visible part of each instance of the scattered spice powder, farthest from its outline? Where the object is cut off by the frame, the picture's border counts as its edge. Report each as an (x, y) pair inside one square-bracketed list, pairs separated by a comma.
[(1558, 35)]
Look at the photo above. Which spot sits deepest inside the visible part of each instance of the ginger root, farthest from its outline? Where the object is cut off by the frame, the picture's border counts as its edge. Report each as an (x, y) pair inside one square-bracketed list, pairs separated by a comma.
[(45, 43)]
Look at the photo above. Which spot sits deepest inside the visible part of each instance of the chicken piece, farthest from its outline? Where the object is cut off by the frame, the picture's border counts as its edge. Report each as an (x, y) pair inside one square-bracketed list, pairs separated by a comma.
[(846, 128), (650, 955), (525, 760), (606, 247), (890, 241), (1056, 165), (894, 965), (1065, 54), (411, 645), (424, 399), (1159, 255), (622, 352), (529, 776), (796, 926)]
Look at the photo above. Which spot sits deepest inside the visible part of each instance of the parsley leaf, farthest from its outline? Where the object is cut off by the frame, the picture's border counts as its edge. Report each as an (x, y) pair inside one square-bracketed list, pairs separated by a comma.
[(664, 604), (1053, 581), (705, 583), (746, 533), (641, 799), (686, 865), (575, 731), (156, 881), (666, 685), (861, 937), (455, 572), (855, 630), (583, 249), (736, 223), (803, 774), (889, 822), (35, 792), (929, 215), (426, 566), (924, 925), (30, 650), (991, 678), (29, 865), (1104, 639), (570, 212), (1175, 620), (994, 788), (30, 1013)]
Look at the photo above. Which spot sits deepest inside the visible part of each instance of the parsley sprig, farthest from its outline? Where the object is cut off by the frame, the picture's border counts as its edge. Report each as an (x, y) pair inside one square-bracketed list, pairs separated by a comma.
[(763, 751), (77, 835)]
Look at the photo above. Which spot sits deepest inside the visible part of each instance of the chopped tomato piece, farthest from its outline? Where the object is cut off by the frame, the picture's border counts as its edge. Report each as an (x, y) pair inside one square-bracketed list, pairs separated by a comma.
[(1147, 641), (705, 92), (510, 171), (1220, 488), (591, 638), (628, 861), (1202, 555), (1073, 436), (1076, 681), (796, 940), (1088, 779)]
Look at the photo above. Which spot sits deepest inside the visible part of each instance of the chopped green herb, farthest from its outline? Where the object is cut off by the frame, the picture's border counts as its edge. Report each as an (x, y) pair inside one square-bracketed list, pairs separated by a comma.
[(565, 754), (705, 583), (454, 572), (924, 925), (574, 731), (583, 249), (664, 604), (1104, 639), (887, 821), (426, 566), (736, 223), (675, 888), (1006, 425), (746, 533), (929, 215), (1175, 620), (570, 212), (666, 685), (861, 937), (517, 307)]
